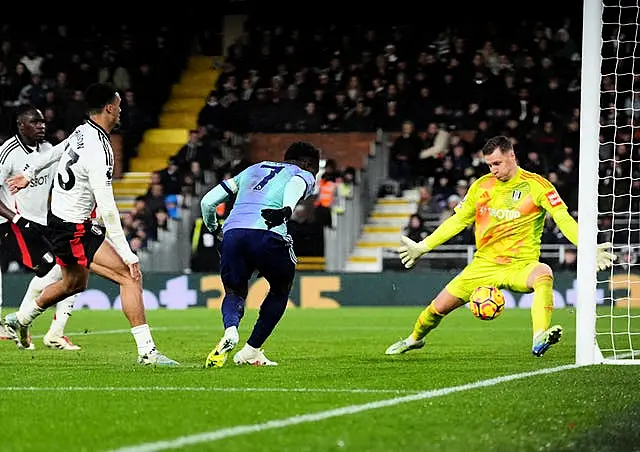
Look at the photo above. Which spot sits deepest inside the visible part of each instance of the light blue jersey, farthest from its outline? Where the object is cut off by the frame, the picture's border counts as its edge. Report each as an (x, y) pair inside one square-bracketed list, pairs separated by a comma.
[(262, 186)]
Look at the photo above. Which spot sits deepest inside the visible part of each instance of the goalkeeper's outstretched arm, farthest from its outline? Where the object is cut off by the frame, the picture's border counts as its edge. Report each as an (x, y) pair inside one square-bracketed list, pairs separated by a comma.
[(569, 228), (411, 251)]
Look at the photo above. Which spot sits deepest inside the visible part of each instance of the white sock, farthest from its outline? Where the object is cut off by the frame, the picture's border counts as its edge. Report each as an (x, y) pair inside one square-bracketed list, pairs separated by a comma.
[(232, 333), (60, 318), (37, 285), (28, 312), (144, 341), (249, 348)]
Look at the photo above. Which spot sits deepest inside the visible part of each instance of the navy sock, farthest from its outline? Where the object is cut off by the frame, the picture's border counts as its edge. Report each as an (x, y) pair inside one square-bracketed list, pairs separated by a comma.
[(232, 310), (271, 312)]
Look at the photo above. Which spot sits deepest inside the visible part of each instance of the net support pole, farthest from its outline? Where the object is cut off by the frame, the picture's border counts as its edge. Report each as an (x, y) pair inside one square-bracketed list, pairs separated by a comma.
[(587, 351)]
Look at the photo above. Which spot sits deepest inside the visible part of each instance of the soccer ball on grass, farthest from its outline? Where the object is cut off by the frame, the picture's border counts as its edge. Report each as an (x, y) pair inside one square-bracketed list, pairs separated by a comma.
[(486, 303)]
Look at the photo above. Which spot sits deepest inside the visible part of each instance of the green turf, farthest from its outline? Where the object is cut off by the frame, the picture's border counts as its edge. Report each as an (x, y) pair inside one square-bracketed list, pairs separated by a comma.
[(584, 409)]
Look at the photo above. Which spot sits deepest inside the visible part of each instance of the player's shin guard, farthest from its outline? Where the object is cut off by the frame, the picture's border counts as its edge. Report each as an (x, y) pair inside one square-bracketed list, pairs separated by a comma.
[(542, 306), (232, 310), (428, 319), (271, 311)]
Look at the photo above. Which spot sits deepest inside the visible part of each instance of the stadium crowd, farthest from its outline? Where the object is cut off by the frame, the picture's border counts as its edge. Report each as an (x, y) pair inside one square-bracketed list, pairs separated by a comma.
[(439, 96)]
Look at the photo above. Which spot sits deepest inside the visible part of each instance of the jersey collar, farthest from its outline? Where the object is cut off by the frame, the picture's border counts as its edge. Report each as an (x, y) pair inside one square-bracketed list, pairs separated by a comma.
[(25, 147), (98, 128)]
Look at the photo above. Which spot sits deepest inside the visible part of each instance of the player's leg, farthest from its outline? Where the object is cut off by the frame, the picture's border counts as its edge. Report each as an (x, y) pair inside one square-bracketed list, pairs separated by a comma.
[(106, 262), (35, 253), (55, 338), (235, 272), (276, 261), (3, 332), (540, 280), (454, 295), (536, 277)]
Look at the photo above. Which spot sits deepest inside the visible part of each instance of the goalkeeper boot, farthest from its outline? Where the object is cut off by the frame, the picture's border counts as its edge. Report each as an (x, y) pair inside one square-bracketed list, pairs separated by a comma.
[(155, 358), (218, 355), (18, 332), (404, 346), (543, 341), (253, 357)]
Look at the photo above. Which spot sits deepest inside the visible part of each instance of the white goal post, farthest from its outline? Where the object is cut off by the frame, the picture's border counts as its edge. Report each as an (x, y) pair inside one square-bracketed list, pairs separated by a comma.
[(608, 303)]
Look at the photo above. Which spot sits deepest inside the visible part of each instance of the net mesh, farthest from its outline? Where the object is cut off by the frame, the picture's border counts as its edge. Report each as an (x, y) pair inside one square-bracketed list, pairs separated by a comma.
[(618, 313)]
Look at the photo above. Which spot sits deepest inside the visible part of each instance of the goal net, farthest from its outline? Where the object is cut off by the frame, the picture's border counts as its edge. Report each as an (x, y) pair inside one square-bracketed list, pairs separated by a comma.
[(608, 309)]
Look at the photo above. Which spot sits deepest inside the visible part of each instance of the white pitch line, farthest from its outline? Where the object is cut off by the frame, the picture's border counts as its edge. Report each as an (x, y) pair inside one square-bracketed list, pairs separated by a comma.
[(215, 435), (201, 389)]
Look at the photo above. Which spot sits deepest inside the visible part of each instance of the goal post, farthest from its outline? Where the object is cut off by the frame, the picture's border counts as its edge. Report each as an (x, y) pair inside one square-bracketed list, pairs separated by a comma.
[(609, 184), (586, 345)]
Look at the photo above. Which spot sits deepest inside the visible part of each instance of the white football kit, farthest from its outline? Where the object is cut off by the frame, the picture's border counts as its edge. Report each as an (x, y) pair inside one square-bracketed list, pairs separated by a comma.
[(32, 201), (82, 182)]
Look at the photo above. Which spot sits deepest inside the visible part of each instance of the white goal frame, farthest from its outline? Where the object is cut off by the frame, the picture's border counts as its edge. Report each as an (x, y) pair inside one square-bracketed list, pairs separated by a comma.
[(587, 349)]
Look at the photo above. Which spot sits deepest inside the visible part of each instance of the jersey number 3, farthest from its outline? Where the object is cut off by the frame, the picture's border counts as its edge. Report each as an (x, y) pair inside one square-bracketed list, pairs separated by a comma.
[(71, 178), (274, 170)]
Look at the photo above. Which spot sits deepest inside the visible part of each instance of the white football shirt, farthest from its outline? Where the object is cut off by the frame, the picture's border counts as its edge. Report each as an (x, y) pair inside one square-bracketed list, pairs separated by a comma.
[(32, 201), (86, 164)]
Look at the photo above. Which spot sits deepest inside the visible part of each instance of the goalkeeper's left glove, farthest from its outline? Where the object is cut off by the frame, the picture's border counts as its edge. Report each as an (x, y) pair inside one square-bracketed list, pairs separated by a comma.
[(604, 258), (275, 217), (411, 251)]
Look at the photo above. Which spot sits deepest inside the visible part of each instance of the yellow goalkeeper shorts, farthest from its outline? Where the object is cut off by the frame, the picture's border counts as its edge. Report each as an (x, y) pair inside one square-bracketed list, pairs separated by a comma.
[(481, 272)]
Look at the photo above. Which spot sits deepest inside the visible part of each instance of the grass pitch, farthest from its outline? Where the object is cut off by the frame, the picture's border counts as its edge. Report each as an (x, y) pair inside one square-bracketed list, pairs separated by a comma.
[(334, 389)]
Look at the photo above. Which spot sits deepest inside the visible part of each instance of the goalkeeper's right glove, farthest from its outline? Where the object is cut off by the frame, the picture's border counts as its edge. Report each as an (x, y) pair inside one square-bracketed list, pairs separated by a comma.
[(604, 258), (411, 251)]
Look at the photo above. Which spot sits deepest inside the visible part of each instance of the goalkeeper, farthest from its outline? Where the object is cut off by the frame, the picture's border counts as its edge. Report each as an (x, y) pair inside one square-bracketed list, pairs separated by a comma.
[(508, 207)]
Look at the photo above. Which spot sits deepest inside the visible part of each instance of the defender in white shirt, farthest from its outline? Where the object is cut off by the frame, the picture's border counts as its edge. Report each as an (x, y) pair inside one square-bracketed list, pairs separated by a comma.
[(25, 233), (82, 183)]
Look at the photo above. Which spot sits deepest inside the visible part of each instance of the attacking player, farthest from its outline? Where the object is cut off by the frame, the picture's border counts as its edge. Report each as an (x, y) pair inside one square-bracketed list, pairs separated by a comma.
[(82, 182), (255, 238), (508, 207), (26, 230)]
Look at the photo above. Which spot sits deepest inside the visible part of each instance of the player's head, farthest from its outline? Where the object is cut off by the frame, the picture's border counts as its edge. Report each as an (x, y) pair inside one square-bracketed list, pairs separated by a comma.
[(305, 155), (103, 101), (31, 124), (499, 154)]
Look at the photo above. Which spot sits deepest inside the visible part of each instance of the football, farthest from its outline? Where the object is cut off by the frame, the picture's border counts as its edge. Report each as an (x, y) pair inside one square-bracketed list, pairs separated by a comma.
[(486, 303)]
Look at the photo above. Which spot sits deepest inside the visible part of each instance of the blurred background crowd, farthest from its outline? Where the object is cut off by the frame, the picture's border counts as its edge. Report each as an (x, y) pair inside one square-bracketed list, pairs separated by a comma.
[(436, 95)]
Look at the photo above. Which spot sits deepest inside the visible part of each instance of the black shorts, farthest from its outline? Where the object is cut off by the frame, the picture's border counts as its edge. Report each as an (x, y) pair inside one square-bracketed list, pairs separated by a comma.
[(30, 245), (74, 243)]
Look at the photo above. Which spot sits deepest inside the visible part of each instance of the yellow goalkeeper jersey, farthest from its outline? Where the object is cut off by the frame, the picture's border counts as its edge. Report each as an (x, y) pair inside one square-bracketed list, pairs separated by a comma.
[(509, 216)]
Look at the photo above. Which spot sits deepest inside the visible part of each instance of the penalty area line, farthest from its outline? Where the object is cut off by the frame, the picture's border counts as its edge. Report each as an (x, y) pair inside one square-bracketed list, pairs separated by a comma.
[(214, 435)]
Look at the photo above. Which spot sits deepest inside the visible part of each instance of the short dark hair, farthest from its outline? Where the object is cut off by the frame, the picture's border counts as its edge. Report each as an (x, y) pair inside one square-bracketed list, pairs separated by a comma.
[(501, 142), (24, 110), (99, 95), (301, 151)]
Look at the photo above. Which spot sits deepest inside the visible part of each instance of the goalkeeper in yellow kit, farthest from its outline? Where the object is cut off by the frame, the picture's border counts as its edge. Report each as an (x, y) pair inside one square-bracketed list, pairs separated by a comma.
[(508, 207)]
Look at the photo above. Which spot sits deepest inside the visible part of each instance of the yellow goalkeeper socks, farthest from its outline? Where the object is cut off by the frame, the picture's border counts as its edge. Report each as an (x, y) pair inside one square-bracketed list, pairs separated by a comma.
[(542, 306), (427, 320)]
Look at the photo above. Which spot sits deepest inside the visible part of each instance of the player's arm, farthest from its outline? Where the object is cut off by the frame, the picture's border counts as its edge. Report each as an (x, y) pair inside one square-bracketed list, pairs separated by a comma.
[(464, 216), (36, 162), (213, 198), (100, 176), (551, 201), (295, 189), (5, 211)]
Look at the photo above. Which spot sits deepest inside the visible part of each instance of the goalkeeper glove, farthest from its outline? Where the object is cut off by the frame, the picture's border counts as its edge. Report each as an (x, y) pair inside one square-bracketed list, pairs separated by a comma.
[(411, 251), (604, 258), (275, 217)]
